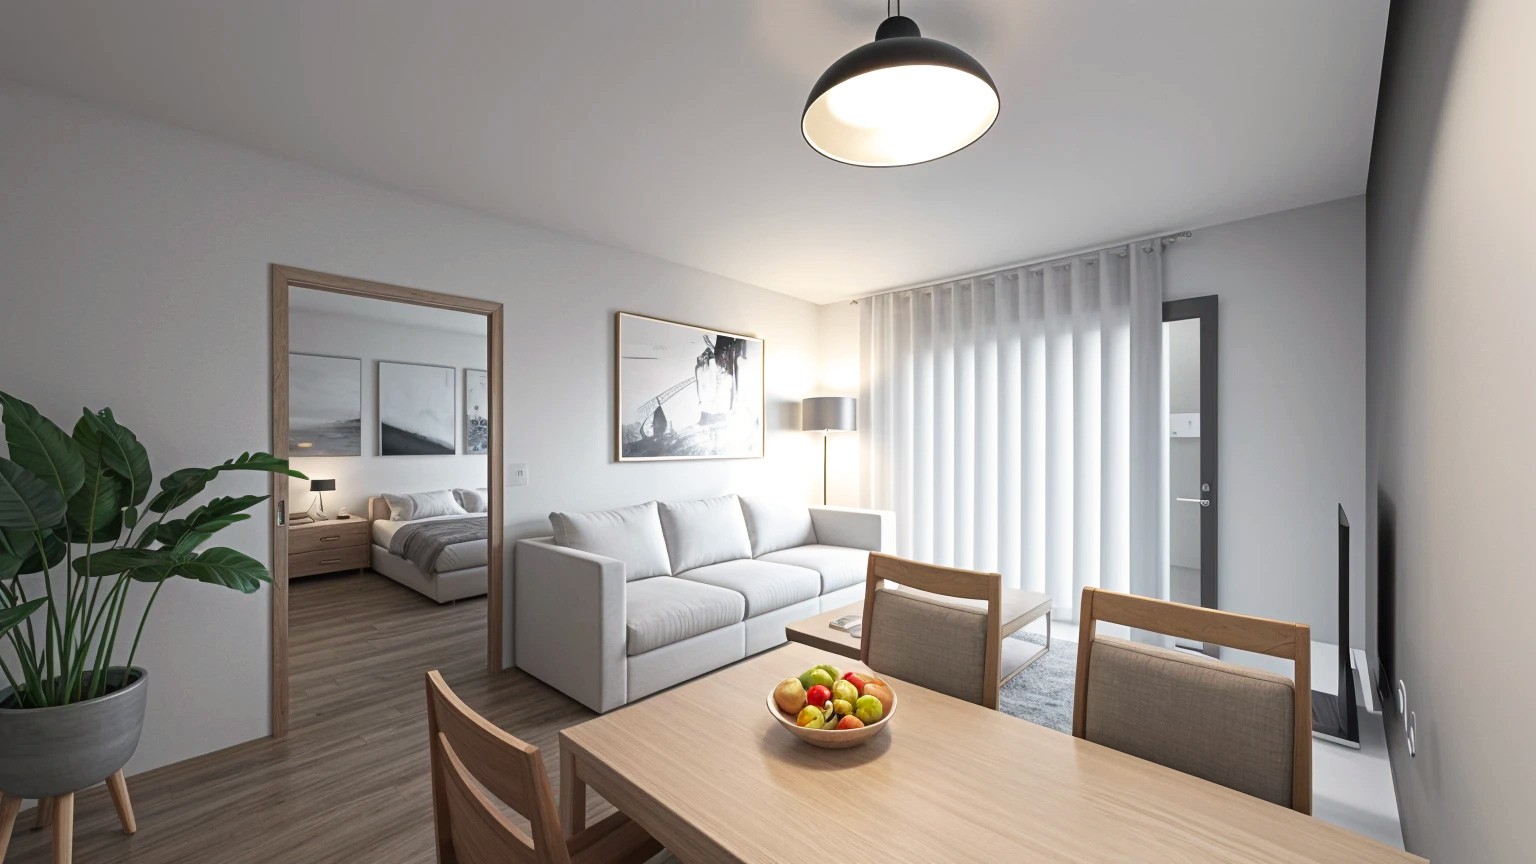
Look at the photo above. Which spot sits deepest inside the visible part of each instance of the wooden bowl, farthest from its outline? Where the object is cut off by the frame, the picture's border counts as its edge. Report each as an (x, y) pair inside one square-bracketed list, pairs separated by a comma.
[(834, 739)]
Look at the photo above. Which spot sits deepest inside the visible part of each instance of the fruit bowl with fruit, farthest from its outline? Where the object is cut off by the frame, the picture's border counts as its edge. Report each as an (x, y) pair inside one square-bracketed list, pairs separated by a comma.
[(829, 708)]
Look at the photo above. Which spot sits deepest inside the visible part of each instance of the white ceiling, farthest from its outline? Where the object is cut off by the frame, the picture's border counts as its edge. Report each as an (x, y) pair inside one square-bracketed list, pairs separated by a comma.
[(671, 127)]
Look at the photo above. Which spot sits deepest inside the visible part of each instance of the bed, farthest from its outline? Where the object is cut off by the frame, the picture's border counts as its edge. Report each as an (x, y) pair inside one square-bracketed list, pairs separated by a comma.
[(441, 557)]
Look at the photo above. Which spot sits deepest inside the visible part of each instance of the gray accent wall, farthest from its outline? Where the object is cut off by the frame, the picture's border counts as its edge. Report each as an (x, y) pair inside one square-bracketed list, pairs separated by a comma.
[(1452, 418), (133, 273)]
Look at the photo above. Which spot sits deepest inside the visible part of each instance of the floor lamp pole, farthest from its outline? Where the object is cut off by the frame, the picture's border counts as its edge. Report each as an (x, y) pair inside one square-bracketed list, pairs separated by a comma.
[(824, 437)]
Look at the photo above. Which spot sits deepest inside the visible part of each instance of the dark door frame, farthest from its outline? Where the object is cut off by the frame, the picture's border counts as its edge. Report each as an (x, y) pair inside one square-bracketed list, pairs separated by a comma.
[(1205, 309)]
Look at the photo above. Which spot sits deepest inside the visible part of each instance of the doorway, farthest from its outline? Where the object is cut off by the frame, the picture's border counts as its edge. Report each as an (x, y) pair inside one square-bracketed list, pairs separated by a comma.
[(1190, 340), (285, 280)]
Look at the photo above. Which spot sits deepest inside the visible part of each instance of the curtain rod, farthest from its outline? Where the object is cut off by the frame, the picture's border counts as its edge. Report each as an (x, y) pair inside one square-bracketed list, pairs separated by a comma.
[(1164, 239)]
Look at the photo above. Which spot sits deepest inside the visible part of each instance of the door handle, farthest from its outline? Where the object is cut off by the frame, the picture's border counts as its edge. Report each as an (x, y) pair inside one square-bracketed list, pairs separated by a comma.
[(1203, 502)]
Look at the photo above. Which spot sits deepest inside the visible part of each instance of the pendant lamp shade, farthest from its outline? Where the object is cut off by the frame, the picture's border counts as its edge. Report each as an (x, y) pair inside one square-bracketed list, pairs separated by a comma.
[(900, 100)]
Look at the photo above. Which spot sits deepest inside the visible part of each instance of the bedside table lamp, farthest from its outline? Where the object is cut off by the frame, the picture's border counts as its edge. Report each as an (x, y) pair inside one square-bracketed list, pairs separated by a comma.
[(320, 487), (827, 414)]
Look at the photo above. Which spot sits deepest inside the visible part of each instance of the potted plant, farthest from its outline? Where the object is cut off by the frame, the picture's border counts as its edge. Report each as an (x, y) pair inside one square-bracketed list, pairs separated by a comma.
[(80, 529)]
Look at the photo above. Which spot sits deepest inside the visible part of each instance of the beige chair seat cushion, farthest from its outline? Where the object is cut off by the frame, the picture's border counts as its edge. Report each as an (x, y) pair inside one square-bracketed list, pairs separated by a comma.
[(1227, 724), (765, 586), (662, 610), (839, 566)]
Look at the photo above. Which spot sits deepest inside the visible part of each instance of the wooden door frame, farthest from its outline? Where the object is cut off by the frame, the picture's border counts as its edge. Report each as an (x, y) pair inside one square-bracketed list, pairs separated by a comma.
[(282, 278)]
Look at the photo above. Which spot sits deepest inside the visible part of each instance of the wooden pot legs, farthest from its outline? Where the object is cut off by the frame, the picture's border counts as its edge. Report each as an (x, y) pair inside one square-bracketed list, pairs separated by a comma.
[(60, 813)]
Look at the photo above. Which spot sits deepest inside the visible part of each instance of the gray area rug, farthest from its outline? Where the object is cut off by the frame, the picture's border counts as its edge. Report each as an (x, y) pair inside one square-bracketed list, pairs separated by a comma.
[(1043, 693)]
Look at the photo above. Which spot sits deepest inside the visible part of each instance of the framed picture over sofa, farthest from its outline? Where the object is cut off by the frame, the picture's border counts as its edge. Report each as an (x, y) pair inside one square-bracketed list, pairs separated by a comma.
[(686, 392)]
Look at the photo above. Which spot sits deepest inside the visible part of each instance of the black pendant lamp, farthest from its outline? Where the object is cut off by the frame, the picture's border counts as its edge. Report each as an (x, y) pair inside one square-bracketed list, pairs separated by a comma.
[(900, 100)]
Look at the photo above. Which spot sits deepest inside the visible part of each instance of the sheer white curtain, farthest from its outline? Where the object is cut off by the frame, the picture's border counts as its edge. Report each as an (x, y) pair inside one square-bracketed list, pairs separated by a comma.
[(1012, 422)]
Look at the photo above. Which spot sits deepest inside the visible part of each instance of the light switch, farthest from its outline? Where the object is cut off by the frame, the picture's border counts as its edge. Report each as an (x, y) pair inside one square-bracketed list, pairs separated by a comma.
[(517, 473)]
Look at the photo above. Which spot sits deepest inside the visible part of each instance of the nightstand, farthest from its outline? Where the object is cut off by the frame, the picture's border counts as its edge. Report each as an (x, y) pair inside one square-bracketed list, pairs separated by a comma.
[(327, 547)]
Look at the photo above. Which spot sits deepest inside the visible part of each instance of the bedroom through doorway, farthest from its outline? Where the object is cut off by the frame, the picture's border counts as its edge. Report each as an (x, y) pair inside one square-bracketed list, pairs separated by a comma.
[(387, 557)]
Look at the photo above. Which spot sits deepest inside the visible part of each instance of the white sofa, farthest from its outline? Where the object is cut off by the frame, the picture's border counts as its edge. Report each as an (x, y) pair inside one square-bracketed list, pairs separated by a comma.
[(620, 604)]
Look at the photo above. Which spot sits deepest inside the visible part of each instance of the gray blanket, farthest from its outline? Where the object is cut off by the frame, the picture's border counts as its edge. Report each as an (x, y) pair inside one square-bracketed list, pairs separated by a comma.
[(422, 542)]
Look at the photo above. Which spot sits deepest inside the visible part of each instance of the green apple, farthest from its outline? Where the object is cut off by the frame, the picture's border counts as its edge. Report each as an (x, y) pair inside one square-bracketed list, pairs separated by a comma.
[(811, 677), (810, 717), (835, 672), (868, 709), (845, 690)]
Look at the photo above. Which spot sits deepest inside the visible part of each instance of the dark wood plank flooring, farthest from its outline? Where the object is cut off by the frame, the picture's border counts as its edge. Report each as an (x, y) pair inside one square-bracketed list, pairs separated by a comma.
[(349, 783)]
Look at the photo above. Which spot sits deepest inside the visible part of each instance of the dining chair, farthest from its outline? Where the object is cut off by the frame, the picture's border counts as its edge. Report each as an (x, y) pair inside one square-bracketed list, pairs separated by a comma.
[(470, 757), (1232, 725), (950, 647)]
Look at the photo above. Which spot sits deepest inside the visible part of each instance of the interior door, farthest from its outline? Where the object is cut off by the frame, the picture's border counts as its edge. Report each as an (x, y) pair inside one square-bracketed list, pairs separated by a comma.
[(1189, 378)]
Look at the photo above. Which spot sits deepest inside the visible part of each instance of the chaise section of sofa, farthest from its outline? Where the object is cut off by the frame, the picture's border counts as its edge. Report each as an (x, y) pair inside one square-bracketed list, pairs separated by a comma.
[(620, 604)]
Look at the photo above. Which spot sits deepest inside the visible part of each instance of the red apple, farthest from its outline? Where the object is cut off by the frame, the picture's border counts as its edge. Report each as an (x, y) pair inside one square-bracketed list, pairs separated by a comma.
[(856, 681), (818, 695), (850, 722)]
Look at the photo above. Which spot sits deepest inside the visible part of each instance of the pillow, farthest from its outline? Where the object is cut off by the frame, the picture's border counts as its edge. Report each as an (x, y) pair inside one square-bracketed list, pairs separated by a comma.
[(775, 524), (704, 532), (473, 500), (630, 534), (422, 505)]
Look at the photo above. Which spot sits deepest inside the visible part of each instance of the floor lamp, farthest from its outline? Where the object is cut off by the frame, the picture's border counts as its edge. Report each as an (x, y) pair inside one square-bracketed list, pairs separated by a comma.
[(828, 414)]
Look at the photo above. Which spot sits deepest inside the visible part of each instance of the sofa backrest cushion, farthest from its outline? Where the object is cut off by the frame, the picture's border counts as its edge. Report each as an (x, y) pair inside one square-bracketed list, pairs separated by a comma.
[(630, 534), (703, 532), (773, 525)]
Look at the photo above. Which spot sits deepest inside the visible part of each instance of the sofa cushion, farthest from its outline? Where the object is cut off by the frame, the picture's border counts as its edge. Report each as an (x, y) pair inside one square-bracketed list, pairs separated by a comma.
[(773, 525), (703, 532), (765, 585), (839, 566), (630, 534), (665, 609)]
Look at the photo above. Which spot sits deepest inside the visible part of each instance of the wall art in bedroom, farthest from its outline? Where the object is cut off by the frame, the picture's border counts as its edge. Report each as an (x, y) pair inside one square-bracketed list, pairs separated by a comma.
[(687, 392), (416, 409), (477, 411), (325, 405)]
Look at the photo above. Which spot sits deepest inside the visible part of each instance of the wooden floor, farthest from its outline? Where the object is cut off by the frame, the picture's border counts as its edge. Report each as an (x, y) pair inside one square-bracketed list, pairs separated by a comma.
[(349, 783)]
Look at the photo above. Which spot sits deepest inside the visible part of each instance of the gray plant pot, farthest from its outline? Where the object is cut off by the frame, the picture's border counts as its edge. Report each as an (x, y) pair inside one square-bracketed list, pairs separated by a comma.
[(46, 752)]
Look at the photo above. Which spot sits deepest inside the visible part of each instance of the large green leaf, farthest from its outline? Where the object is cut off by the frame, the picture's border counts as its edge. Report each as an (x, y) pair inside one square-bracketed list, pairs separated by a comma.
[(26, 500), (215, 516), (224, 566), (50, 554), (40, 446), (179, 487), (14, 615), (110, 562), (10, 565), (122, 454), (95, 513)]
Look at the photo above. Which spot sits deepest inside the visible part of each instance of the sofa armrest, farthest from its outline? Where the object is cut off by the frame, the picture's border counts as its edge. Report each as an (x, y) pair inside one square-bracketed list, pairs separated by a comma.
[(569, 621), (874, 530)]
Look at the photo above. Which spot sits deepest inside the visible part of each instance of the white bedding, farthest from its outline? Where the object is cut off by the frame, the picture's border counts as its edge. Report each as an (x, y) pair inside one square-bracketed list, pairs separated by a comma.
[(459, 556)]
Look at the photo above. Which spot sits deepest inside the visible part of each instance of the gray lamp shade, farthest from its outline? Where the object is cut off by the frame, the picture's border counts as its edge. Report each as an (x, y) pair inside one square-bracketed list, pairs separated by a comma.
[(829, 414), (322, 485)]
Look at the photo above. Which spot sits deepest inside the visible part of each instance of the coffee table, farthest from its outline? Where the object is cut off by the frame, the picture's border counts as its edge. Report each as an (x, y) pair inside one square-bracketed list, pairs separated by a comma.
[(1019, 609)]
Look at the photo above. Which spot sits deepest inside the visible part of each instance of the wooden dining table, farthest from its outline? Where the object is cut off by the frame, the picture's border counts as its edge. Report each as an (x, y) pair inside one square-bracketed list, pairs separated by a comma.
[(711, 775)]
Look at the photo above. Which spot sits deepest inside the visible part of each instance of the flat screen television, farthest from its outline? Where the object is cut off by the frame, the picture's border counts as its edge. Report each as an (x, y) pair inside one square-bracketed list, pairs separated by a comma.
[(1335, 716)]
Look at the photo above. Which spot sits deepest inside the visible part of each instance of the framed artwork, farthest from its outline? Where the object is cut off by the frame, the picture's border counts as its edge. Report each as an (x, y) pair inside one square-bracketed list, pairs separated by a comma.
[(686, 392), (325, 405), (416, 416), (477, 411)]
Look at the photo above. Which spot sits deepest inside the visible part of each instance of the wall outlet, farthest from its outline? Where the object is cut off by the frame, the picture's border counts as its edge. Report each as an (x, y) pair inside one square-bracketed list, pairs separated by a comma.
[(517, 473)]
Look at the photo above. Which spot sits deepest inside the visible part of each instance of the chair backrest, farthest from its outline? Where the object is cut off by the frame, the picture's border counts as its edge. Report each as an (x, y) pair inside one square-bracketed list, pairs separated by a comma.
[(470, 828), (953, 648), (1239, 727)]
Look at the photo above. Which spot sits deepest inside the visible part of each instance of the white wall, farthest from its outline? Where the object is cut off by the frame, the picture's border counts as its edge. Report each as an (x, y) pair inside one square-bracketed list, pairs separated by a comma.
[(1452, 215), (838, 375), (1292, 405), (371, 340), (1292, 402), (135, 275)]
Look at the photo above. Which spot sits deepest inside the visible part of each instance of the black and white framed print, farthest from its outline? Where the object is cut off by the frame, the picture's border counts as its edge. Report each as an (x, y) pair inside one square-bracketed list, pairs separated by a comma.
[(325, 405), (416, 409), (687, 392), (477, 411)]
